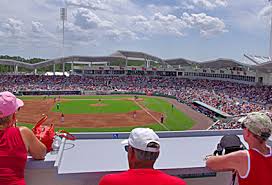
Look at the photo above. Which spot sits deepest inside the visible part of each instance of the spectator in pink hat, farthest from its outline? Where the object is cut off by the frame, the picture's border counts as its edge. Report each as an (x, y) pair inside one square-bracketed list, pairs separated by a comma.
[(16, 142)]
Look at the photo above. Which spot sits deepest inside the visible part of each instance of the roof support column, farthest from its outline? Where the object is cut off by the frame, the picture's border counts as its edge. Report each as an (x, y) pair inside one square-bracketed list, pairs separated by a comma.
[(147, 63), (63, 68), (16, 69), (35, 71), (126, 61), (54, 69), (72, 67)]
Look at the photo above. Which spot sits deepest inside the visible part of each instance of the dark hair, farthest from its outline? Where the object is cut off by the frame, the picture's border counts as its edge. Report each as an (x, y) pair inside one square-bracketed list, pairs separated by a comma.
[(148, 156), (5, 120)]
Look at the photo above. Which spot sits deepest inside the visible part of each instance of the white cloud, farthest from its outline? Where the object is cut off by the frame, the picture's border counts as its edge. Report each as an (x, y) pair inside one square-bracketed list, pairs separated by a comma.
[(74, 34), (158, 24), (204, 4), (168, 24), (221, 2), (266, 11), (94, 4), (207, 25), (164, 9), (117, 34), (93, 22), (39, 33), (86, 19), (37, 27), (12, 27)]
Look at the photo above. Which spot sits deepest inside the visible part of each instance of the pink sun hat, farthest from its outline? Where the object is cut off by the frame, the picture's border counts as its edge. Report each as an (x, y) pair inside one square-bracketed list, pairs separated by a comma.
[(9, 104)]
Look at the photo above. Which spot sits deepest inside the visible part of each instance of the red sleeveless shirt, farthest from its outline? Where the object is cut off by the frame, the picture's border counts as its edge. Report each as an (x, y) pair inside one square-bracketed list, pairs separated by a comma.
[(259, 169), (13, 156)]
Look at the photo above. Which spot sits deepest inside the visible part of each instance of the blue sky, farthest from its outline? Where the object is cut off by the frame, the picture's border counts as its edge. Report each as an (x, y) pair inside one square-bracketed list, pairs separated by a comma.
[(193, 29)]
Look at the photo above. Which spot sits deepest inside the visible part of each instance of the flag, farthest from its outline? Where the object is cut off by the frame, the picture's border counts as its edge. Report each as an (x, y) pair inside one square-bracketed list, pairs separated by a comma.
[(143, 68), (154, 69), (133, 68)]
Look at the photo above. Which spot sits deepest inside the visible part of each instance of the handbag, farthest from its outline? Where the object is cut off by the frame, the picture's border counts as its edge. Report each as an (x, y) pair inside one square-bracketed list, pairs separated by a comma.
[(46, 134)]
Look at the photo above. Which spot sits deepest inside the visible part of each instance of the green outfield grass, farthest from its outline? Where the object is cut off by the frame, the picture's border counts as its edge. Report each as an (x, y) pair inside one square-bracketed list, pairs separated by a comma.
[(74, 97), (174, 119), (84, 107)]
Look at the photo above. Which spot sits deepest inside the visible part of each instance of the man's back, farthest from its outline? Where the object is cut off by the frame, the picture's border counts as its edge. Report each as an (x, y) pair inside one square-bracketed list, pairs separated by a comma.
[(141, 177), (259, 171)]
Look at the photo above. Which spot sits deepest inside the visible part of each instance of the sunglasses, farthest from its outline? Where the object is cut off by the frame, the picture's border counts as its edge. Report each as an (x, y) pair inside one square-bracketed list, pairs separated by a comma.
[(126, 148), (243, 126)]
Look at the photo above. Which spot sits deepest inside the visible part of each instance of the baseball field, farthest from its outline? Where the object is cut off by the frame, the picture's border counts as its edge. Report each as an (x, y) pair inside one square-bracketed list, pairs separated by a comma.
[(110, 113)]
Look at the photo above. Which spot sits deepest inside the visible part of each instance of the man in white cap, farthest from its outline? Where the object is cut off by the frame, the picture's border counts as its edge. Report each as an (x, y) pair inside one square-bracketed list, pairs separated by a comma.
[(143, 149), (253, 166)]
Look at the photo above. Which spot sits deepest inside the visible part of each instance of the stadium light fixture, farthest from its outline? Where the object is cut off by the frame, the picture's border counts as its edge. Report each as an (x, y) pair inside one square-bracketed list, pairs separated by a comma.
[(63, 17), (270, 47)]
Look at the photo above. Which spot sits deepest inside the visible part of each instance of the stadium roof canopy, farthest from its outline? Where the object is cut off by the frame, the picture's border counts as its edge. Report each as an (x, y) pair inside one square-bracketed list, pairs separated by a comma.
[(180, 61), (15, 62), (255, 62), (266, 67), (260, 63), (222, 63), (78, 59), (75, 59), (136, 55)]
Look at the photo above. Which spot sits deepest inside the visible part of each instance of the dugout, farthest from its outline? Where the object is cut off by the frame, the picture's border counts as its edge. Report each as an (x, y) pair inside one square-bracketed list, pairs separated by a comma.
[(85, 160), (207, 108)]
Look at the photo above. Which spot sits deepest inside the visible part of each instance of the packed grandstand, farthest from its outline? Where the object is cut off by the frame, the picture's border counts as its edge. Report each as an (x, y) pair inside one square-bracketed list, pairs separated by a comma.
[(228, 86)]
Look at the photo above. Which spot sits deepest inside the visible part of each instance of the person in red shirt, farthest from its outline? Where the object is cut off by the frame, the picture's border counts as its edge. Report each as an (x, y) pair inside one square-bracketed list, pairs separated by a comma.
[(143, 149), (15, 142), (253, 166)]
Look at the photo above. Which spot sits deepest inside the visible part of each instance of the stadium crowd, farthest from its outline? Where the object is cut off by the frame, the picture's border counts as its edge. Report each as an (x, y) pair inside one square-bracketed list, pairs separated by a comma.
[(232, 98), (143, 149)]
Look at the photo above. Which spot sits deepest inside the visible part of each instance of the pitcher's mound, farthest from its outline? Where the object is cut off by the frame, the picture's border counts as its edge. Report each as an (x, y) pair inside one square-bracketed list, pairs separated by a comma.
[(98, 105)]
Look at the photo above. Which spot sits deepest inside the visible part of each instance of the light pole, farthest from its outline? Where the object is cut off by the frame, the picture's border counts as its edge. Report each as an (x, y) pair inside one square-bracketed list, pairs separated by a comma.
[(63, 17)]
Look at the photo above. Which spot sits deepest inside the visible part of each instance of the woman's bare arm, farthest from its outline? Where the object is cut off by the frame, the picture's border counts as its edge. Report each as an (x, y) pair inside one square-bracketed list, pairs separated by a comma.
[(36, 148)]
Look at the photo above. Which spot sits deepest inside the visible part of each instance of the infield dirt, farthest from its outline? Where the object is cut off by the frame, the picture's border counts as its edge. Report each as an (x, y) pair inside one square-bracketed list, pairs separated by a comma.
[(33, 110)]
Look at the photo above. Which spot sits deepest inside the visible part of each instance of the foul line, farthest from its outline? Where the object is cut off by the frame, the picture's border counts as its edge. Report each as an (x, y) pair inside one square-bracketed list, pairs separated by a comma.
[(151, 115)]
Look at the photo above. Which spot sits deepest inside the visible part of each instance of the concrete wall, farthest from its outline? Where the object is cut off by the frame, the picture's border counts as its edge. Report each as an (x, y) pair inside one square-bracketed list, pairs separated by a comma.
[(50, 177)]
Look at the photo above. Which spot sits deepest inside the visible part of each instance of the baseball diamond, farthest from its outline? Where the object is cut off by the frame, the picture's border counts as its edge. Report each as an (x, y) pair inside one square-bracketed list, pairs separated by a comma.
[(111, 113)]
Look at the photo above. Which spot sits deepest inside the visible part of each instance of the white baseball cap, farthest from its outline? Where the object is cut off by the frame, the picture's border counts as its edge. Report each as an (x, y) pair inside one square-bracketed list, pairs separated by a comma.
[(139, 138)]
